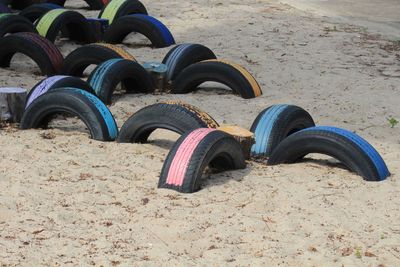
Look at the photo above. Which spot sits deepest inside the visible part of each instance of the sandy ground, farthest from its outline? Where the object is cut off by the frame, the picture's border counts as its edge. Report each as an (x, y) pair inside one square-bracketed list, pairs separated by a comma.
[(69, 200)]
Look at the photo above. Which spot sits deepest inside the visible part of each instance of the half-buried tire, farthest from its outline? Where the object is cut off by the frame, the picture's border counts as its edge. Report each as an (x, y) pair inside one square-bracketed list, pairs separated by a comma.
[(183, 55), (347, 147), (4, 8), (174, 116), (274, 124), (72, 101), (34, 12), (130, 74), (119, 8), (153, 29), (12, 23), (42, 51), (230, 74), (93, 54), (54, 82), (193, 152), (74, 25)]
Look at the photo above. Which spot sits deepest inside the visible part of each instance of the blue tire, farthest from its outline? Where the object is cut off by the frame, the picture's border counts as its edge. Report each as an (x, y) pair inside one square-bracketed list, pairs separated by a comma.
[(347, 147), (274, 124)]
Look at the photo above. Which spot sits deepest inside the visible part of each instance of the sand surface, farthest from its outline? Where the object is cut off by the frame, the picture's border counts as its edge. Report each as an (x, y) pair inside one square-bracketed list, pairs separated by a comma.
[(68, 200)]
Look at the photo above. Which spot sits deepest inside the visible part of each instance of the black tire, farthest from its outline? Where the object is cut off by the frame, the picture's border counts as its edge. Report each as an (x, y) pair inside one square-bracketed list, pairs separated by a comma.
[(130, 74), (232, 75), (153, 29), (74, 25), (177, 117), (42, 51), (183, 55), (93, 4), (347, 147), (34, 12), (193, 152), (116, 9), (274, 124), (21, 4), (76, 102), (4, 9), (79, 59), (54, 82), (12, 23)]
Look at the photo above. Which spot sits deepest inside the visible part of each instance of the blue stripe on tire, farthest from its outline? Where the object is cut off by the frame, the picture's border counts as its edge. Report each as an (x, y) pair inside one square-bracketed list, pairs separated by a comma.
[(97, 78), (264, 128), (104, 111), (166, 34), (375, 157)]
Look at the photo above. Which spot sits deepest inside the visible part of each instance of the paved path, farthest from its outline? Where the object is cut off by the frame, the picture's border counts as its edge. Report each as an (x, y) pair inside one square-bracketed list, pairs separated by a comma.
[(381, 16)]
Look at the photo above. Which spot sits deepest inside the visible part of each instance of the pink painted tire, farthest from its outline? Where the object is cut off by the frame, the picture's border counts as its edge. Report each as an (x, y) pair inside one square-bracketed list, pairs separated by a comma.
[(193, 152)]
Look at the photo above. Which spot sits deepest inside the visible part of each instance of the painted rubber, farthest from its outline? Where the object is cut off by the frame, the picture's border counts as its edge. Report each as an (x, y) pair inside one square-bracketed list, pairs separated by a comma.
[(74, 25), (55, 82), (183, 55), (86, 106), (12, 23), (153, 29), (174, 116), (119, 8), (130, 74), (79, 59), (193, 152), (39, 49), (274, 124), (232, 75), (35, 11), (347, 147), (4, 9)]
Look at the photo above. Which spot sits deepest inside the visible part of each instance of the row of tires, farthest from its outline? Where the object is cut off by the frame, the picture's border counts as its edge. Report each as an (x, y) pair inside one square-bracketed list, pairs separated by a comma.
[(188, 66), (283, 134), (22, 4), (50, 21)]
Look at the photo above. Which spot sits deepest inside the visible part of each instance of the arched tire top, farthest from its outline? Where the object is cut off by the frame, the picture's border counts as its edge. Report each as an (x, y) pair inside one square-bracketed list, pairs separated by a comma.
[(78, 60), (42, 51), (183, 55), (153, 29), (12, 23), (4, 8), (77, 102), (55, 82), (74, 24), (35, 11), (347, 147), (132, 76), (193, 152), (274, 124), (119, 8), (21, 4), (230, 74), (177, 117)]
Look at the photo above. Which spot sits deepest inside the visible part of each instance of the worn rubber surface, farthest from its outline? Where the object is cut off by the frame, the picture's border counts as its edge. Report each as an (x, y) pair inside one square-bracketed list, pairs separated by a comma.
[(93, 54), (347, 147), (153, 29), (174, 116), (119, 8), (12, 23), (274, 124), (54, 82), (230, 74), (75, 26), (86, 106), (130, 74), (35, 11), (39, 49), (183, 55)]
